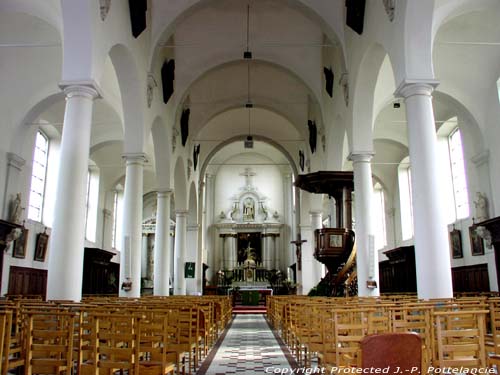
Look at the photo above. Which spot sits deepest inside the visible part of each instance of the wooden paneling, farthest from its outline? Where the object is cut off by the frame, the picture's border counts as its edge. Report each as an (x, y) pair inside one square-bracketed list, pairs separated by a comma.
[(27, 281), (398, 274), (471, 278), (100, 275)]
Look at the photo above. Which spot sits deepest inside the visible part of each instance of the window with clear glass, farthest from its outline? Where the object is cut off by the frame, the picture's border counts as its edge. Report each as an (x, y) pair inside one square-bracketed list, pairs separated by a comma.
[(91, 203), (117, 213), (459, 179), (405, 200), (379, 217), (38, 177)]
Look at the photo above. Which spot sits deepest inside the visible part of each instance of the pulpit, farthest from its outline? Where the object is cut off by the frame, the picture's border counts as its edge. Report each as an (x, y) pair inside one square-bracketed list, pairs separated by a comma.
[(334, 247)]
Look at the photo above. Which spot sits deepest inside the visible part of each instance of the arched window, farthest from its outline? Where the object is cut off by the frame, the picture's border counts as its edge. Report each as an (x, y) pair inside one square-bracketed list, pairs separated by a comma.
[(92, 202), (117, 213), (405, 199), (38, 177), (459, 178), (379, 217), (453, 171)]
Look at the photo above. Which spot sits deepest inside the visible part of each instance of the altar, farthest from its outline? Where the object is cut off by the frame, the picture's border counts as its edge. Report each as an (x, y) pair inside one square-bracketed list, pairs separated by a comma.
[(250, 296)]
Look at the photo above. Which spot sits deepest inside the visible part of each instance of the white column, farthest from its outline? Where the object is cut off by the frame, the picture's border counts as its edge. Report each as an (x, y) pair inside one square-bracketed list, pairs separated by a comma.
[(316, 223), (107, 228), (180, 250), (288, 249), (144, 254), (431, 234), (210, 232), (130, 254), (162, 249), (366, 256), (68, 232)]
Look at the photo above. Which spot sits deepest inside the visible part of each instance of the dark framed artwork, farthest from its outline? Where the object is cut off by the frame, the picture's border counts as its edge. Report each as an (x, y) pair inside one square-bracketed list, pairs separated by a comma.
[(456, 244), (19, 250), (189, 270), (476, 242), (42, 239)]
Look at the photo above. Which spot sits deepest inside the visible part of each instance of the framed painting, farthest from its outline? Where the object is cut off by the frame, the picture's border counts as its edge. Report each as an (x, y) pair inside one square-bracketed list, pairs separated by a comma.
[(19, 250), (456, 244), (476, 242), (42, 239)]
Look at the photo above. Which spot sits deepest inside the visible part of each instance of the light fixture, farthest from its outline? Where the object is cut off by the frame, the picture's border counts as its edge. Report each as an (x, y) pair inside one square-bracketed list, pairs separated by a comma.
[(248, 105), (248, 54)]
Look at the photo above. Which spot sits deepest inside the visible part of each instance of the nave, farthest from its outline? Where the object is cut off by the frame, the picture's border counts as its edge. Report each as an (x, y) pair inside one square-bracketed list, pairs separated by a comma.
[(248, 347)]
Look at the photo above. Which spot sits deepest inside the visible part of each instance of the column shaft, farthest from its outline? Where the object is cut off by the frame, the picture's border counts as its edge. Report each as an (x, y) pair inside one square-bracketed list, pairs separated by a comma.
[(162, 245), (130, 254), (366, 257), (180, 250), (431, 234), (68, 232)]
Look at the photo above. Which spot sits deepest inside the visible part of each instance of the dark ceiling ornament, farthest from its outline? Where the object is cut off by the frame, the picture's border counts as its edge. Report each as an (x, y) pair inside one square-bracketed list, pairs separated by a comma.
[(138, 10), (355, 16), (390, 8), (167, 79), (196, 154), (185, 125), (329, 77), (151, 84), (104, 6), (313, 135), (301, 160)]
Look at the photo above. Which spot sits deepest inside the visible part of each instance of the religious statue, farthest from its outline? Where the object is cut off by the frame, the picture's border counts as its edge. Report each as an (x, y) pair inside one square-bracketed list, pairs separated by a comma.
[(249, 263), (249, 209), (16, 210), (481, 206), (234, 211), (222, 215)]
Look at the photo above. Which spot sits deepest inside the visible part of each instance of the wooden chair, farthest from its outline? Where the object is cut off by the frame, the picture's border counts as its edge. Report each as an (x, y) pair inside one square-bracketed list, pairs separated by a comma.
[(49, 343), (13, 356), (154, 355), (112, 345), (184, 334), (400, 352), (460, 339)]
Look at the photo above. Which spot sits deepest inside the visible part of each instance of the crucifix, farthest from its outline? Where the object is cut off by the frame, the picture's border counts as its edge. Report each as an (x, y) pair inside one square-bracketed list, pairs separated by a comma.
[(298, 243), (248, 176)]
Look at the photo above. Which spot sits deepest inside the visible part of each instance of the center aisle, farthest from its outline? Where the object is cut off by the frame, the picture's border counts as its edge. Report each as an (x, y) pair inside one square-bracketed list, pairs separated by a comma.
[(249, 347)]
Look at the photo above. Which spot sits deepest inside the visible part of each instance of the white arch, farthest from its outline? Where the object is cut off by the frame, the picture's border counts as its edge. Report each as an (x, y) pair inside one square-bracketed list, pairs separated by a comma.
[(131, 92)]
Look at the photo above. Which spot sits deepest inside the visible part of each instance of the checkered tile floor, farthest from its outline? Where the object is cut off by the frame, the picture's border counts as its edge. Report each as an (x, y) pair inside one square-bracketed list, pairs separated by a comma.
[(249, 347)]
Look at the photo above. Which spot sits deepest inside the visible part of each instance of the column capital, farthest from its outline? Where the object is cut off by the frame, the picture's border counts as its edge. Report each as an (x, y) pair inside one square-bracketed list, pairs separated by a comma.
[(361, 156), (135, 158), (316, 213), (181, 213), (15, 161), (163, 193), (411, 87), (87, 89), (481, 158)]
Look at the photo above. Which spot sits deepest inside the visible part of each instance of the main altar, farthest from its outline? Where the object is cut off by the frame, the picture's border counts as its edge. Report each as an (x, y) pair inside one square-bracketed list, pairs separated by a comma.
[(249, 237)]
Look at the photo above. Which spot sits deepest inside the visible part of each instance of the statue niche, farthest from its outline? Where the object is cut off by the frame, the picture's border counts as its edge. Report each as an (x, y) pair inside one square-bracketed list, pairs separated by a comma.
[(248, 209)]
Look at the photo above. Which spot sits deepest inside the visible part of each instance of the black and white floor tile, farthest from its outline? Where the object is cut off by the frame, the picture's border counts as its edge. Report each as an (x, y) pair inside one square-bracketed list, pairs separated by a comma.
[(249, 347)]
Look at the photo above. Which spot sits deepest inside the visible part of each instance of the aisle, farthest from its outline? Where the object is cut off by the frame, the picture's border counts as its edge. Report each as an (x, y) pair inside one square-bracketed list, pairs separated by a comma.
[(249, 347)]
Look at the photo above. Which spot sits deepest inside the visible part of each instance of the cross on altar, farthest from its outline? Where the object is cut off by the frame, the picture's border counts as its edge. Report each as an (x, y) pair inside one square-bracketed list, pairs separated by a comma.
[(298, 243), (248, 176)]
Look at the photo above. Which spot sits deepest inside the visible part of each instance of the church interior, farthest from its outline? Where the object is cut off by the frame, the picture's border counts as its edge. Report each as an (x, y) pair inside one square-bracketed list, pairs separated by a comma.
[(293, 166)]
